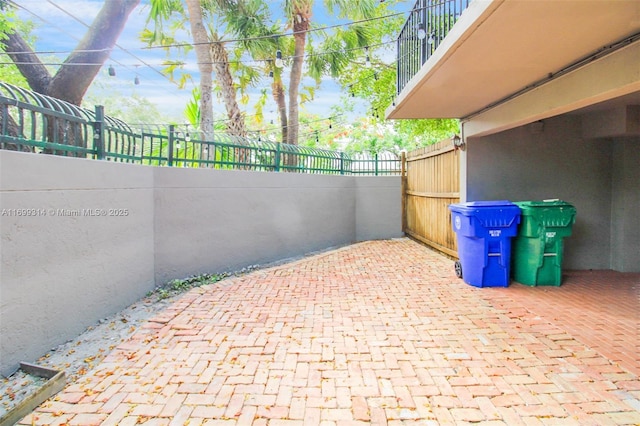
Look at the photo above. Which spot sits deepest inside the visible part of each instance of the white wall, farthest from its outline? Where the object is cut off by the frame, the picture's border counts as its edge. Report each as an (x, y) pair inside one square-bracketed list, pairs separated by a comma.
[(61, 273)]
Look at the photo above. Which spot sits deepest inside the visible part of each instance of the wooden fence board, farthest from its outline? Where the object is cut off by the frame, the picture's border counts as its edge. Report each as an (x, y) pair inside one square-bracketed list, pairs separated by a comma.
[(431, 183)]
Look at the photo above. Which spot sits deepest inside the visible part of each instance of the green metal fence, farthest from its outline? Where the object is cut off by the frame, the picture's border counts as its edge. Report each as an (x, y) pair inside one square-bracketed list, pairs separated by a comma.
[(32, 122)]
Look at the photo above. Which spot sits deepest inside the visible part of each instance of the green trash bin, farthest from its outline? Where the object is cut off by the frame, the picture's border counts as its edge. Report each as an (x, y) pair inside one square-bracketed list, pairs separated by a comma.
[(538, 248)]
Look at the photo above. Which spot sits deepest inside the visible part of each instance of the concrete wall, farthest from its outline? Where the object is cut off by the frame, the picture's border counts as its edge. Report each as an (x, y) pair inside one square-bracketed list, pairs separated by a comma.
[(213, 220), (378, 207), (598, 176), (625, 205), (65, 268), (62, 270)]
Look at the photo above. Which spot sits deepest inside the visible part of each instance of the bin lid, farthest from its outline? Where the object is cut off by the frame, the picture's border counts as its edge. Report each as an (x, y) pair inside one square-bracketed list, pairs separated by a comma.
[(474, 205), (543, 203), (490, 214), (488, 203)]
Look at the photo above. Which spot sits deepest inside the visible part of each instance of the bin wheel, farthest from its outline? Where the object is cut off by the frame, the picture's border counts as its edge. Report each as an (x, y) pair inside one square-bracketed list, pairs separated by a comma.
[(458, 267)]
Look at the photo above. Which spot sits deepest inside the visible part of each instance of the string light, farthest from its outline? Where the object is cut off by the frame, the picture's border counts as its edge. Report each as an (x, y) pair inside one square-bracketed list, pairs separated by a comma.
[(292, 33), (414, 10), (422, 32), (78, 39), (279, 59)]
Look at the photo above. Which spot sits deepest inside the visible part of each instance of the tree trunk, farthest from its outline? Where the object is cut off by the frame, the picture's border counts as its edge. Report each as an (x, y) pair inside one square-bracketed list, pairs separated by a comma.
[(235, 125), (71, 82), (300, 28), (278, 96), (11, 129), (203, 56), (27, 62)]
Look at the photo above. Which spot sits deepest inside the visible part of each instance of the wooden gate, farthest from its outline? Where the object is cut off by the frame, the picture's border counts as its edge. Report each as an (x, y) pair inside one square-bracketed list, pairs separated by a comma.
[(430, 182)]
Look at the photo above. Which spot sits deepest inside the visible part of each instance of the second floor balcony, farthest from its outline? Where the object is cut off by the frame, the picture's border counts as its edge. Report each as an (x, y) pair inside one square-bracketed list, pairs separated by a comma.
[(457, 58), (428, 24)]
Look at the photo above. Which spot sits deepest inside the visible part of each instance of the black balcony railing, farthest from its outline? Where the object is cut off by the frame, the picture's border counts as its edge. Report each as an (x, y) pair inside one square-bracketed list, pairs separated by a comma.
[(429, 22)]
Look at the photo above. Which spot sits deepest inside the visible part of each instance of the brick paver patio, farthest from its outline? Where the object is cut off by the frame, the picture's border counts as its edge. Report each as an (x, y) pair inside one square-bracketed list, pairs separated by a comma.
[(376, 333)]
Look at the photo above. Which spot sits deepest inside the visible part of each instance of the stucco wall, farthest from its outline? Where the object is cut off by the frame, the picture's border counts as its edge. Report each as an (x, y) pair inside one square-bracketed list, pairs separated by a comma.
[(625, 205), (63, 269), (529, 163), (66, 267), (214, 220), (378, 207)]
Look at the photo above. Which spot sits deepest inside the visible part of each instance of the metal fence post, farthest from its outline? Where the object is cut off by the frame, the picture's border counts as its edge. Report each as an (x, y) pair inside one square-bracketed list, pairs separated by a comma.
[(98, 133), (277, 159), (341, 162), (172, 132), (376, 160)]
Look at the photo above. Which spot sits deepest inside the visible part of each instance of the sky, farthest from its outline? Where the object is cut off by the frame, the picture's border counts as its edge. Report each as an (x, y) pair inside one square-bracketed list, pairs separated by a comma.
[(57, 29)]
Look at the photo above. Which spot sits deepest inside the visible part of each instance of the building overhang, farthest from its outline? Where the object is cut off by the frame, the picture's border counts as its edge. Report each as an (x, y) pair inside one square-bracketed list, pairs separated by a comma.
[(501, 48)]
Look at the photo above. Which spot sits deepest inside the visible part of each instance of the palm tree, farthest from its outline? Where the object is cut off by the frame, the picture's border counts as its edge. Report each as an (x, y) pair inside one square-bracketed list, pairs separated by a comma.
[(204, 57), (249, 18), (299, 14), (210, 53)]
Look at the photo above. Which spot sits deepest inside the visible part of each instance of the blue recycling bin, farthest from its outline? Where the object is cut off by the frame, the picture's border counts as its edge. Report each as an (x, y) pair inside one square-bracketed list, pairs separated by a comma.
[(484, 230)]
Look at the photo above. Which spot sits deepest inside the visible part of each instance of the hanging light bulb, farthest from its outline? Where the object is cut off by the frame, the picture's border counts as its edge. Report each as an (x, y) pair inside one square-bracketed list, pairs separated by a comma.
[(422, 32), (178, 145), (367, 61), (187, 136), (270, 73), (136, 80), (279, 62), (112, 71), (430, 40)]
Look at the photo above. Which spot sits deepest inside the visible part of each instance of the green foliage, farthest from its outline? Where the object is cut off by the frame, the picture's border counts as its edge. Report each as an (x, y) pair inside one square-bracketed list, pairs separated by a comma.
[(9, 23), (192, 109), (427, 131), (178, 286), (128, 108), (7, 19), (377, 87)]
